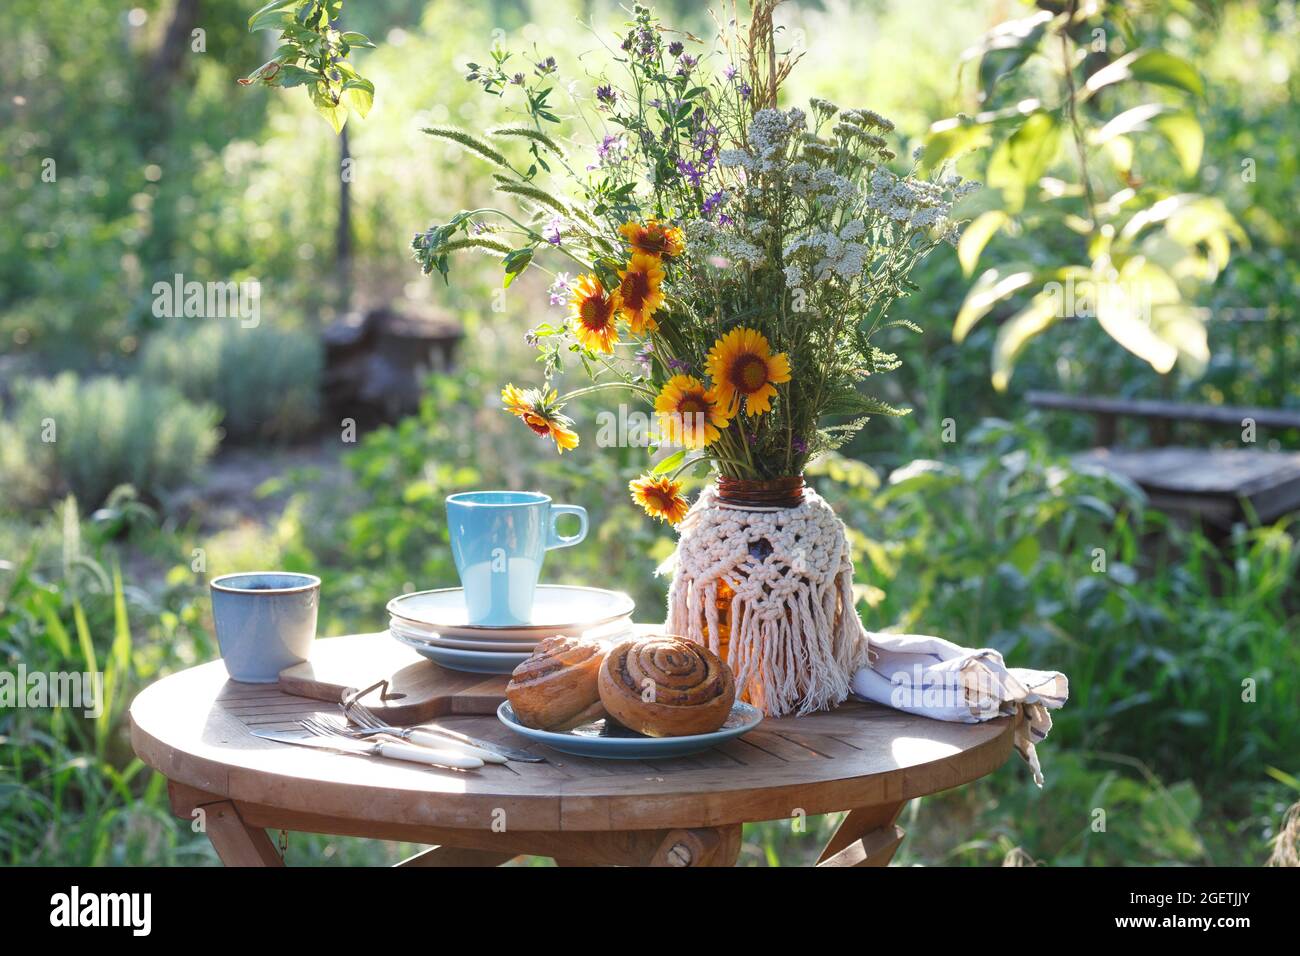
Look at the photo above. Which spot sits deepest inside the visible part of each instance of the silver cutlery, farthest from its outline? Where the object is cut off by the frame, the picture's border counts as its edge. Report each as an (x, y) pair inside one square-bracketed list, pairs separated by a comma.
[(364, 717), (329, 725), (407, 752)]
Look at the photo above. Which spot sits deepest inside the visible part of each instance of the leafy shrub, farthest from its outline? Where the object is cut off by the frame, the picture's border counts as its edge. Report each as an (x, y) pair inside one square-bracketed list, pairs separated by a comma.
[(265, 380), (88, 437)]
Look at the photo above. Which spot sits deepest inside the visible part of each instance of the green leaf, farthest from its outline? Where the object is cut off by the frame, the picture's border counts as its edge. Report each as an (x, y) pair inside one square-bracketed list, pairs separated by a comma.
[(1185, 135), (273, 16), (976, 236), (515, 263), (1148, 66), (1179, 127), (1127, 320), (1024, 156), (357, 39), (335, 114), (669, 463), (1180, 325), (1005, 49), (1024, 554), (359, 94), (952, 138), (290, 76), (990, 288), (1016, 332), (1120, 151)]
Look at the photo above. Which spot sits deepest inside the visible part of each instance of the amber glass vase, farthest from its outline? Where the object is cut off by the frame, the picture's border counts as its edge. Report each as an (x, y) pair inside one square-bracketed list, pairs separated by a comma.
[(745, 493)]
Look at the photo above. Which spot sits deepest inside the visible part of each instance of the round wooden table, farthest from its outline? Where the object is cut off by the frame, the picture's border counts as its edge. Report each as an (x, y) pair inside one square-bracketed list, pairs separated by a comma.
[(193, 727)]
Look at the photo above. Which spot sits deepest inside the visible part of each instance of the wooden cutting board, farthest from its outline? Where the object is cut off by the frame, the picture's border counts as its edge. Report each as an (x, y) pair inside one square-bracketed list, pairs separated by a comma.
[(418, 689)]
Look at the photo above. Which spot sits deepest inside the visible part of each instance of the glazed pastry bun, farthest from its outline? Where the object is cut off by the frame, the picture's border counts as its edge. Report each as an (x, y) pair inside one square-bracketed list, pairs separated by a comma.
[(666, 687), (555, 689)]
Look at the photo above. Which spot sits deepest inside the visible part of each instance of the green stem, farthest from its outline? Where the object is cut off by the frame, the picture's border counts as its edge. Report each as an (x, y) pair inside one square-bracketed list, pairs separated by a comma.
[(602, 386)]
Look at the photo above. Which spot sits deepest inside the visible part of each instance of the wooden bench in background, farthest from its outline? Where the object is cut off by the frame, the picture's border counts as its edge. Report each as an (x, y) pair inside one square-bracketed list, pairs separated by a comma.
[(1214, 484)]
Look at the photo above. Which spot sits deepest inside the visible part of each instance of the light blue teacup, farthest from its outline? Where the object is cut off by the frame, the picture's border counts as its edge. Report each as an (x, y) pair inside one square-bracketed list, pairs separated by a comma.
[(499, 540), (265, 621)]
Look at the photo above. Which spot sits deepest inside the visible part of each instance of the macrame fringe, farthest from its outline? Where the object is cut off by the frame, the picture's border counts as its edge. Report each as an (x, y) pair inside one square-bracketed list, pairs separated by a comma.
[(795, 638)]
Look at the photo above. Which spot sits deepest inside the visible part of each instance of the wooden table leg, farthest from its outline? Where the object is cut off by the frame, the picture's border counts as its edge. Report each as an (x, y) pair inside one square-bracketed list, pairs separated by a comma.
[(236, 842), (868, 836)]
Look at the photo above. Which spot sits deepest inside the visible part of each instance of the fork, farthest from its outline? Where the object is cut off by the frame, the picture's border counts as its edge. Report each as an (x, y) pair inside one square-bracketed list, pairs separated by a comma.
[(362, 715), (442, 758), (413, 735)]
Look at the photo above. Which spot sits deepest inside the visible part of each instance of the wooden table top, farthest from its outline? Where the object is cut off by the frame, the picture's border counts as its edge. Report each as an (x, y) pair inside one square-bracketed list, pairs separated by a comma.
[(193, 726)]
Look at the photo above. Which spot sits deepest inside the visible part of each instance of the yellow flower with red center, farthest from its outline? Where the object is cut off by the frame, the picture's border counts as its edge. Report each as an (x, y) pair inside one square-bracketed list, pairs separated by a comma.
[(592, 314), (654, 238), (541, 412), (660, 497), (689, 413), (741, 365), (639, 294)]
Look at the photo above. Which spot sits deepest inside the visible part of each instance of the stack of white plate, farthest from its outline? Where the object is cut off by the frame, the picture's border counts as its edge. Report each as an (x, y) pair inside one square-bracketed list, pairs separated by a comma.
[(436, 625)]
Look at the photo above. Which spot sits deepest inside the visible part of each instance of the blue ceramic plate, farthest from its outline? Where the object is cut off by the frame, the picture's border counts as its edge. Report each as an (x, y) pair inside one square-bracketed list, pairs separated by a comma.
[(603, 738), (457, 659)]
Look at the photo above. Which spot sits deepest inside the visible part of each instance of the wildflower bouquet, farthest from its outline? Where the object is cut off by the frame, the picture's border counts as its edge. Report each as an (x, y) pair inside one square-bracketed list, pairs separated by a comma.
[(730, 263)]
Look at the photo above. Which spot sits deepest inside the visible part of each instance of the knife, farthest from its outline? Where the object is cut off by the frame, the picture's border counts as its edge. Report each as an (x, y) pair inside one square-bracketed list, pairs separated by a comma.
[(523, 756), (422, 755)]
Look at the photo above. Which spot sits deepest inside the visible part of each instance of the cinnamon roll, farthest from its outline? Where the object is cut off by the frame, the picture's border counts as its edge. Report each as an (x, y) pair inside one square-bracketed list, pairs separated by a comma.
[(666, 687), (555, 689)]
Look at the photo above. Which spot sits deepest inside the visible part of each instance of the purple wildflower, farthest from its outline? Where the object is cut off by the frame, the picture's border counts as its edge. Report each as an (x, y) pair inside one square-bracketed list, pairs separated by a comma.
[(644, 359), (729, 72), (553, 231), (546, 66), (518, 79), (799, 445), (686, 63), (677, 365), (608, 153), (675, 48), (560, 289), (605, 94), (693, 174), (712, 203), (745, 90)]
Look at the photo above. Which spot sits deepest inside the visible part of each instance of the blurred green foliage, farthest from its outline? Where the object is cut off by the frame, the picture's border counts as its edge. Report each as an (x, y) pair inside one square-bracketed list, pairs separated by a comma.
[(265, 380), (87, 437)]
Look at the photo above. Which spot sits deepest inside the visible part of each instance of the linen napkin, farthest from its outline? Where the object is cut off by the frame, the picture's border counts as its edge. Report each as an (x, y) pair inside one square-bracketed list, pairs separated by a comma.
[(937, 678)]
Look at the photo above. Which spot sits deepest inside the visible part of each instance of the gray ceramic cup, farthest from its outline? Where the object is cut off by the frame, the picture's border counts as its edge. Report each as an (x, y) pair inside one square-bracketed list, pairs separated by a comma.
[(265, 621)]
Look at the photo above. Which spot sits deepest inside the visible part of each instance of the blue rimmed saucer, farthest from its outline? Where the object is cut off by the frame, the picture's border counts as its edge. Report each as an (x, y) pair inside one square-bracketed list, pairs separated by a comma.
[(608, 740)]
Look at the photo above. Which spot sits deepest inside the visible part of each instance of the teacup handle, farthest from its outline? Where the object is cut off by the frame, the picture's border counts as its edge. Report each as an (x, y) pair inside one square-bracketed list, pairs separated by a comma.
[(557, 540)]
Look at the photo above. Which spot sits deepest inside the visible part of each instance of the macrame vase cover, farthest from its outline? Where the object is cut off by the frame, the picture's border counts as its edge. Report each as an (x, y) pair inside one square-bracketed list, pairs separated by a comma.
[(794, 639)]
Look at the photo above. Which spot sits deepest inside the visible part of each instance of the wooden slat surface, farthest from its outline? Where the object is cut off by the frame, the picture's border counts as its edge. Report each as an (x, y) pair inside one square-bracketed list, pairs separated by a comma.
[(193, 727), (1209, 481)]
